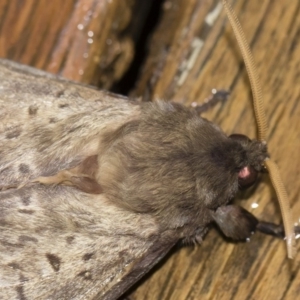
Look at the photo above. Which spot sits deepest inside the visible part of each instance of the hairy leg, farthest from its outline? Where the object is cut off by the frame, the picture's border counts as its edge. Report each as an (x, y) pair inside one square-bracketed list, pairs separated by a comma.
[(215, 97)]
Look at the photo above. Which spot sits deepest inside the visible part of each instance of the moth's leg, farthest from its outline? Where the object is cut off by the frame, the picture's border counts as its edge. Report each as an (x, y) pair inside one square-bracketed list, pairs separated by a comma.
[(81, 177), (235, 222), (215, 97), (61, 177), (274, 229), (65, 177), (238, 224)]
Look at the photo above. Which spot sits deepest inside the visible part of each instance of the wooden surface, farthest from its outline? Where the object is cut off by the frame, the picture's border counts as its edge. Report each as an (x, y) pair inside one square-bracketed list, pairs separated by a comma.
[(178, 68), (218, 269), (82, 40)]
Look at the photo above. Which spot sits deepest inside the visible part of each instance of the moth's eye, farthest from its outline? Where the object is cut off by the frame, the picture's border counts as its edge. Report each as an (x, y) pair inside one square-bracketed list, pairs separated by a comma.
[(247, 177), (240, 137)]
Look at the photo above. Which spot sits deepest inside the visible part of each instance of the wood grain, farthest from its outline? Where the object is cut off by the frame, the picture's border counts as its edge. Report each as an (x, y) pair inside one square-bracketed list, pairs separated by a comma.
[(218, 269), (81, 40), (178, 68)]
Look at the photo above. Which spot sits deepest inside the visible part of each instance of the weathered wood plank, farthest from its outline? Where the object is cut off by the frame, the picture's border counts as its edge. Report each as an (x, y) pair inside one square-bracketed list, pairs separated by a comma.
[(81, 40)]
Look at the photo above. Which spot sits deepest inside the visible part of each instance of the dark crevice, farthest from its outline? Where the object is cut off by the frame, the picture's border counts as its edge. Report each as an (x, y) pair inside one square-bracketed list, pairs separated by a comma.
[(144, 19)]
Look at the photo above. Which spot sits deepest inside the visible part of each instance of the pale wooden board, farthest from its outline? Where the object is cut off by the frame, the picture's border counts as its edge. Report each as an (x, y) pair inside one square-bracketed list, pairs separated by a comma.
[(80, 40)]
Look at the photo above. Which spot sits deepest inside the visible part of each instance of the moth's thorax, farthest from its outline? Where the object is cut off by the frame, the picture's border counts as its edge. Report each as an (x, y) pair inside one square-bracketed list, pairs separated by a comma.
[(173, 164)]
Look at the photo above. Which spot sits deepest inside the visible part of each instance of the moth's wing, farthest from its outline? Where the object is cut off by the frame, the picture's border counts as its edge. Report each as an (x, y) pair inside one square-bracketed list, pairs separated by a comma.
[(60, 243), (57, 242), (49, 124)]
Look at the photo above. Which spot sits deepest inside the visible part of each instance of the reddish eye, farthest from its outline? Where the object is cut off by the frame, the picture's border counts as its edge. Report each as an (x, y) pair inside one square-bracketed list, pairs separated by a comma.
[(247, 177)]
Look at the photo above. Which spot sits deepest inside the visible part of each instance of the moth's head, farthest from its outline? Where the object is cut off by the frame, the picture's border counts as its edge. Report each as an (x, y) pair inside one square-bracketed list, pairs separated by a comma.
[(255, 155)]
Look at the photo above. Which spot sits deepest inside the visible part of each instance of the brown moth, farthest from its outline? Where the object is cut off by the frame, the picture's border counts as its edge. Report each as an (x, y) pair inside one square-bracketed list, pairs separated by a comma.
[(95, 189)]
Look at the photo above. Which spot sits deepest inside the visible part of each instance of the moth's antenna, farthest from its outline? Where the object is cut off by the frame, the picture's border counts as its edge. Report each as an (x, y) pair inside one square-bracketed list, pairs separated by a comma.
[(262, 127), (251, 70)]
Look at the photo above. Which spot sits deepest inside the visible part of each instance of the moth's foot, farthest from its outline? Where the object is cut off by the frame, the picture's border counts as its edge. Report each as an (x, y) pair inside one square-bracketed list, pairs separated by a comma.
[(275, 230), (239, 224), (215, 97)]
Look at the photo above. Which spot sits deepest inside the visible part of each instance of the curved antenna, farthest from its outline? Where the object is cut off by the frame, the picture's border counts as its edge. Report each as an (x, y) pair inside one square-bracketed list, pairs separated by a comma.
[(284, 206), (262, 127), (251, 70)]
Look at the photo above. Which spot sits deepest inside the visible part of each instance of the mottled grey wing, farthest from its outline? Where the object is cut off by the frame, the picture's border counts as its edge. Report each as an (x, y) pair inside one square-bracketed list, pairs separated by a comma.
[(57, 242), (49, 124)]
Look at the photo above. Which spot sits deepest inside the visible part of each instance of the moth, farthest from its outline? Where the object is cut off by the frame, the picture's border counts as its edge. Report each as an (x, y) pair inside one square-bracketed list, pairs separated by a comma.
[(95, 189)]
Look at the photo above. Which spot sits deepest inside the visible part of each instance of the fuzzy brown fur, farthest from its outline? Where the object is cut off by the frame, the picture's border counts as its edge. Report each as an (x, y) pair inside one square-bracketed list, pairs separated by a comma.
[(94, 188)]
